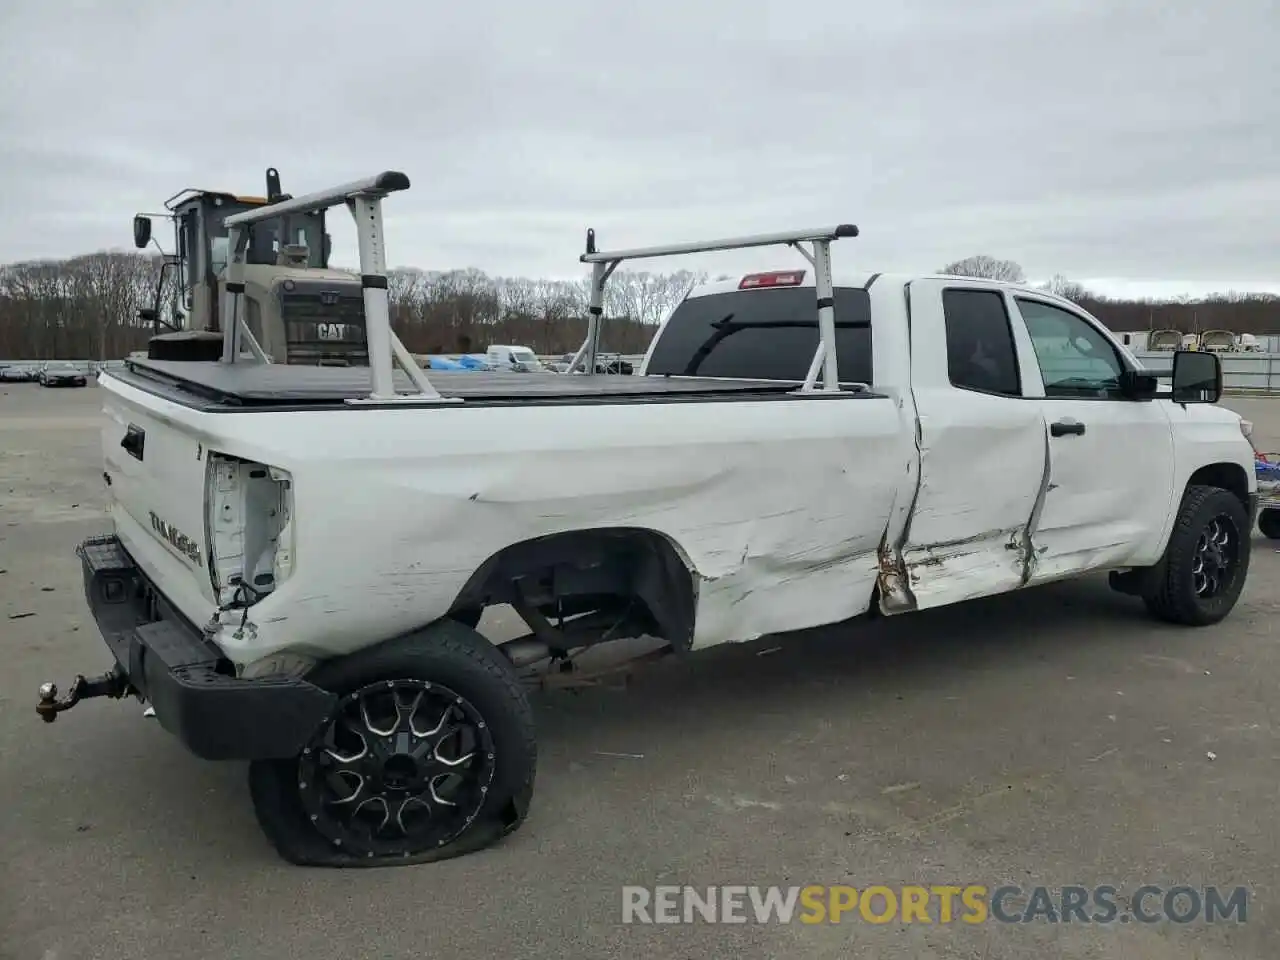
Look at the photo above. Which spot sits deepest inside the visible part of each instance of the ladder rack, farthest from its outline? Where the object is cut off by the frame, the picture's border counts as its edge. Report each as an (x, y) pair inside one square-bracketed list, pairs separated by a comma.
[(603, 263), (363, 198)]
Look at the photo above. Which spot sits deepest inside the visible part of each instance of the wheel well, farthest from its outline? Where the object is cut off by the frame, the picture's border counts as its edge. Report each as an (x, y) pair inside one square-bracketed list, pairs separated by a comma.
[(1228, 476), (585, 570)]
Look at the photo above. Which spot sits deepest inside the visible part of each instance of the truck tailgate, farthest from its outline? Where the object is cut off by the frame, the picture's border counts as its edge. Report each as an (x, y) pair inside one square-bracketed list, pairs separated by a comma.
[(155, 470)]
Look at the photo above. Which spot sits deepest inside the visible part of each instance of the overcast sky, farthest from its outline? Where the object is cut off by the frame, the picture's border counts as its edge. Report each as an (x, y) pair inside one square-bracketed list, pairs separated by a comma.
[(1132, 145)]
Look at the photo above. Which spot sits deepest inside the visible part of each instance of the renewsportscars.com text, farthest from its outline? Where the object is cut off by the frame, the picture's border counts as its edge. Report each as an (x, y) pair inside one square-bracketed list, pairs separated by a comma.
[(934, 904)]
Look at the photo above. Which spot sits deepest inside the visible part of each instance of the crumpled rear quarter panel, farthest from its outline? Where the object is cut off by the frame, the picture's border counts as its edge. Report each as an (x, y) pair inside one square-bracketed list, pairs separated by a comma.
[(777, 505)]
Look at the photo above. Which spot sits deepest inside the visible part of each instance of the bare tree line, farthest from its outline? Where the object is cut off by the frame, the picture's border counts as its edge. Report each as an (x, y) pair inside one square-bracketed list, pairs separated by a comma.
[(1256, 313), (86, 307), (460, 311), (82, 308)]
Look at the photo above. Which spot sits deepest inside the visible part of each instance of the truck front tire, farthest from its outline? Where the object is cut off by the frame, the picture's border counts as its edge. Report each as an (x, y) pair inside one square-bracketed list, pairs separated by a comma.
[(1198, 580), (429, 755)]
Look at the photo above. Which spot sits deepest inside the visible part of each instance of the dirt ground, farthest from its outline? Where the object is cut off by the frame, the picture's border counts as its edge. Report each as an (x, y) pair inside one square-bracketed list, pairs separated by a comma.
[(1056, 737)]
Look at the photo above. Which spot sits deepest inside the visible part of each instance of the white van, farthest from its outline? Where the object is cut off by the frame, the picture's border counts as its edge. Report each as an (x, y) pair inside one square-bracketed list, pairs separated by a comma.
[(504, 357)]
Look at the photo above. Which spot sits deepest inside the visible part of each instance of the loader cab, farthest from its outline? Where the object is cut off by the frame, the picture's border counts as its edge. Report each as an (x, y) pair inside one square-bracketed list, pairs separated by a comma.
[(202, 242), (297, 309)]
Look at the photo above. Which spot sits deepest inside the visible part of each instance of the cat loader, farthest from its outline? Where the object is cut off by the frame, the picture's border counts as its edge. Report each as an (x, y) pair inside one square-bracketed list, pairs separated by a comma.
[(296, 307)]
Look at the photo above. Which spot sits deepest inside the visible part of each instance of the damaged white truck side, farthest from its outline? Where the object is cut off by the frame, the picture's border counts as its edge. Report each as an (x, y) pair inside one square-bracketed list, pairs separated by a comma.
[(300, 555)]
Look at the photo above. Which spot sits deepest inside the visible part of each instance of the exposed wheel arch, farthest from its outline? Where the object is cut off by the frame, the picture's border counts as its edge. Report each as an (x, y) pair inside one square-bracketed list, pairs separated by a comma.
[(1228, 476), (573, 569)]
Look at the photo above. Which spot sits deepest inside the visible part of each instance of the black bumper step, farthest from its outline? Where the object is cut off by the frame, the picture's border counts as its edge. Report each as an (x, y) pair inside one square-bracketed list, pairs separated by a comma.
[(185, 677)]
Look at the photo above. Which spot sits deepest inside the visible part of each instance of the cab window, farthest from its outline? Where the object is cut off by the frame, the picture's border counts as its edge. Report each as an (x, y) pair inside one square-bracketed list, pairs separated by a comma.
[(981, 355), (763, 335), (1076, 360)]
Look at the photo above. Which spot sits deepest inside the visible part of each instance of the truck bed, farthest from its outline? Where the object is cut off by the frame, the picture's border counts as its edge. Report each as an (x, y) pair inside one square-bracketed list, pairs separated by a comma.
[(216, 385)]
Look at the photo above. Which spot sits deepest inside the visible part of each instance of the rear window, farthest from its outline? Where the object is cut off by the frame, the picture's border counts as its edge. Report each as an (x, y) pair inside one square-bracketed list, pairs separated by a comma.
[(980, 350), (763, 335)]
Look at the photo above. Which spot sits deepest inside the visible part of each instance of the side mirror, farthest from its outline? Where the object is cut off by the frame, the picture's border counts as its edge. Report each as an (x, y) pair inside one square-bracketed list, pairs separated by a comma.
[(1135, 385), (141, 231), (1197, 376)]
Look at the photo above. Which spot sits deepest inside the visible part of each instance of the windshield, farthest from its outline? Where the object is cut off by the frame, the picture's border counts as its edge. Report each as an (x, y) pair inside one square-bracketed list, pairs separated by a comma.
[(762, 335), (218, 256), (307, 230)]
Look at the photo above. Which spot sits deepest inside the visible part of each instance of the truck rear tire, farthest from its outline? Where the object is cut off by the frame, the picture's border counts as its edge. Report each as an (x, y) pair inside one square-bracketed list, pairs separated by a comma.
[(429, 755), (1269, 523), (1198, 580)]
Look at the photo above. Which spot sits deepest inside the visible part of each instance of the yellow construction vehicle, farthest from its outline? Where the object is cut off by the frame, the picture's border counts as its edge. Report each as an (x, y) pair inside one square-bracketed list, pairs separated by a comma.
[(296, 308)]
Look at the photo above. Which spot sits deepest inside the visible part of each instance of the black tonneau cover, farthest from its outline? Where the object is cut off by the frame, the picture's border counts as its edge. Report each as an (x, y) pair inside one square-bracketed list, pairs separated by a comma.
[(276, 386)]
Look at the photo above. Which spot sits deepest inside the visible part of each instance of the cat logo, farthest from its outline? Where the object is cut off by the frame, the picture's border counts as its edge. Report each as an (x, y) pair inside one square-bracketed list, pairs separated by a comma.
[(176, 539)]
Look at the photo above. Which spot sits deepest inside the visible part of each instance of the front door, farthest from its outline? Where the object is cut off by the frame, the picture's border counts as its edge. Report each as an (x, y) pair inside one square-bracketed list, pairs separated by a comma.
[(1111, 459)]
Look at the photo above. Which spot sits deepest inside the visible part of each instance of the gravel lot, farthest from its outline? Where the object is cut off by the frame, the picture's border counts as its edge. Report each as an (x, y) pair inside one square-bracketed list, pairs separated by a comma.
[(1056, 737)]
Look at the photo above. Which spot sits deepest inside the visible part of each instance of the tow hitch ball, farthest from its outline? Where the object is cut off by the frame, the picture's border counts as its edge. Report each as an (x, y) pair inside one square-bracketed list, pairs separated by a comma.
[(113, 684)]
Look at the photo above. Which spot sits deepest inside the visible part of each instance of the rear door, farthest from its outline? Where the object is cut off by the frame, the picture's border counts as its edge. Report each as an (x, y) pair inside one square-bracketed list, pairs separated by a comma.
[(1111, 458), (983, 450)]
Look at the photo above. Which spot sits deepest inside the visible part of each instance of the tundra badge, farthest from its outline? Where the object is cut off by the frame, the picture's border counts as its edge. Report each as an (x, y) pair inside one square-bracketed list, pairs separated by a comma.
[(176, 539)]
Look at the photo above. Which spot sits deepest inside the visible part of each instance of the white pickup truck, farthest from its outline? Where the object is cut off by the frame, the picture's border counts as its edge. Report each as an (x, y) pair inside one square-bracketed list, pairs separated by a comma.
[(300, 555)]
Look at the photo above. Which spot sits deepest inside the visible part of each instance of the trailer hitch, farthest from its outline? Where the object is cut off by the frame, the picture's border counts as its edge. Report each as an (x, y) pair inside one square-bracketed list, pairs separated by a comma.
[(114, 683)]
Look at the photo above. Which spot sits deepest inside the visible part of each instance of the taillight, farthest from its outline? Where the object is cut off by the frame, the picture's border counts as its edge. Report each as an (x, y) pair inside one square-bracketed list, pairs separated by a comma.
[(249, 525), (775, 278)]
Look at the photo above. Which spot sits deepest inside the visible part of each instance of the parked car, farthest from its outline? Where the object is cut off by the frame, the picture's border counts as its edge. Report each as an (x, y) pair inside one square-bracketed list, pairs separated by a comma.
[(62, 375), (18, 374)]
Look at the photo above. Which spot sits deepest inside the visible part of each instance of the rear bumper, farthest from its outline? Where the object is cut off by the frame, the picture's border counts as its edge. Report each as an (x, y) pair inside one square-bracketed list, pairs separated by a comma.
[(190, 685)]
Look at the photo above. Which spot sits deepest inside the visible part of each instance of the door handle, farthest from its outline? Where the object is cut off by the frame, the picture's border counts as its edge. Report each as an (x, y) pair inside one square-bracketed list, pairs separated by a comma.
[(134, 441), (1066, 428)]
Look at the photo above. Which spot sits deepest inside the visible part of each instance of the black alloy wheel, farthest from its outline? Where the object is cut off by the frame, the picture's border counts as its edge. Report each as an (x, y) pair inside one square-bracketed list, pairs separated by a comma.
[(403, 766), (1217, 557)]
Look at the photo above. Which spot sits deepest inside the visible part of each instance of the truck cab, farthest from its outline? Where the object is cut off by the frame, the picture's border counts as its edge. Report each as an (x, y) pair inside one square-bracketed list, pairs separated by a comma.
[(298, 309), (1043, 452)]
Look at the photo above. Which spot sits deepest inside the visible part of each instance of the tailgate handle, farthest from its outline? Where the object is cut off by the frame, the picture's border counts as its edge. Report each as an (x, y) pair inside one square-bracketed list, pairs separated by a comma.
[(1067, 428), (134, 440)]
